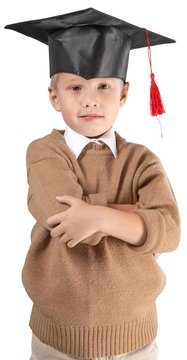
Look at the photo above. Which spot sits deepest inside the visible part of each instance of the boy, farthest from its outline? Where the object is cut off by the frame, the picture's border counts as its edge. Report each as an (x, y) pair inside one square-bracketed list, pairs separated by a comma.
[(103, 207)]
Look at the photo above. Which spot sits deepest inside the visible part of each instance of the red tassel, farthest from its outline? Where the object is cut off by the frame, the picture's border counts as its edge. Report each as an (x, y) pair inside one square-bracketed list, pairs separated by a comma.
[(156, 104)]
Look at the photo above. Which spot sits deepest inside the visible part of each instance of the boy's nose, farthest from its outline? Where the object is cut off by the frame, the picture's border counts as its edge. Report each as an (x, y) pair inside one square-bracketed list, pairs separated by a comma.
[(89, 102)]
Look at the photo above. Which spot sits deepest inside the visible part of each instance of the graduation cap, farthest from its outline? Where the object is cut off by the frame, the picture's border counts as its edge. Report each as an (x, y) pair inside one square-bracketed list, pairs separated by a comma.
[(93, 44)]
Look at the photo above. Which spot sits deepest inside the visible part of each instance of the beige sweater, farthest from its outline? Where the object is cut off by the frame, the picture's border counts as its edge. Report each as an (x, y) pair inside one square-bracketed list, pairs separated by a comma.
[(98, 298)]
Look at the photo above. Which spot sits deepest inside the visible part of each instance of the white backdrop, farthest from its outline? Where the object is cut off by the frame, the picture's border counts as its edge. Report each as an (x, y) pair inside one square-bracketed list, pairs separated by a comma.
[(27, 114)]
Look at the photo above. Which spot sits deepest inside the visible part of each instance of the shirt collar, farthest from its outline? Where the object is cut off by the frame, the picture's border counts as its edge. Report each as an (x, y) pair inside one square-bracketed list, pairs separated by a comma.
[(77, 142)]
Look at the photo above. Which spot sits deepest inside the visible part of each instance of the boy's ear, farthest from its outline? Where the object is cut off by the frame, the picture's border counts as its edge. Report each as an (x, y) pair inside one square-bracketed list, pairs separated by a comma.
[(54, 98), (124, 93)]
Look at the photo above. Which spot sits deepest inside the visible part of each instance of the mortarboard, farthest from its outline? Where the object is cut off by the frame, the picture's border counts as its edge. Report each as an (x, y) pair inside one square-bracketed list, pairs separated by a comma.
[(91, 44)]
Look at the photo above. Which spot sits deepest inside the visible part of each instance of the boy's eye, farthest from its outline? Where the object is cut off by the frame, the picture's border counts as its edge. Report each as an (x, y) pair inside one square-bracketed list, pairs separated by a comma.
[(75, 88), (104, 86)]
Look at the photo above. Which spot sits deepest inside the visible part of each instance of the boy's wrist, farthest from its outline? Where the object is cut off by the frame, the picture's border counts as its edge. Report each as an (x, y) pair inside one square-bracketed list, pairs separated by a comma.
[(124, 225), (100, 218), (100, 214), (96, 217)]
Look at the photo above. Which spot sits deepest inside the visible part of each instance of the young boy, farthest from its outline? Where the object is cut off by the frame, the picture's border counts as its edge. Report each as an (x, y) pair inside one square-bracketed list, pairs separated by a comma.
[(103, 206)]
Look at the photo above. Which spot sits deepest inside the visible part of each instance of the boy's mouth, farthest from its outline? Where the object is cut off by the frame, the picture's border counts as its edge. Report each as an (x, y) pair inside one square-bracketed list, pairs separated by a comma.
[(91, 117)]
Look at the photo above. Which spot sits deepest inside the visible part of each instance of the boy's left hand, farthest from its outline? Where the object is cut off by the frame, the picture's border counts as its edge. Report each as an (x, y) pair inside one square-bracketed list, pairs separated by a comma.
[(74, 224)]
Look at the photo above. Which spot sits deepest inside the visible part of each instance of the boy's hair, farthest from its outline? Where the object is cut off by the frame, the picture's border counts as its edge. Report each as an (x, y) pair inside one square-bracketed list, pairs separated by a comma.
[(54, 80)]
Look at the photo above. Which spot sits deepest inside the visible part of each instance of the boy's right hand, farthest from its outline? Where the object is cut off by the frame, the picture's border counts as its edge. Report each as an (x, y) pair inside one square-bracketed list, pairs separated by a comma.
[(89, 240)]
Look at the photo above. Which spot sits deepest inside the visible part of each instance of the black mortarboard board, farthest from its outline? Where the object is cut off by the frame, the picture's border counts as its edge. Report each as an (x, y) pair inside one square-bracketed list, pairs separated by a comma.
[(88, 43)]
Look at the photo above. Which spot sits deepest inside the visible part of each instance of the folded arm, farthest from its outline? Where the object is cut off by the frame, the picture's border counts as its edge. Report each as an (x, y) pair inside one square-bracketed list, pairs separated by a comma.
[(153, 226), (157, 206), (50, 173), (82, 220)]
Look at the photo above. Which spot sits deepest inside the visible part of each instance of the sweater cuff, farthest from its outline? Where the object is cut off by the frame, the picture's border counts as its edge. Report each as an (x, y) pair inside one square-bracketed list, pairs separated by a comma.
[(156, 231)]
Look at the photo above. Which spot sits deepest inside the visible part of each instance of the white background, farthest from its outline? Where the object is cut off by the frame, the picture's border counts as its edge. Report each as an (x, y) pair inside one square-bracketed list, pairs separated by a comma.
[(26, 114)]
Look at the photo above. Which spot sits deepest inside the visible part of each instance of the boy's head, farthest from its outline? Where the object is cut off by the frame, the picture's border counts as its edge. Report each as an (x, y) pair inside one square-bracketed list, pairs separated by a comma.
[(89, 107), (91, 45)]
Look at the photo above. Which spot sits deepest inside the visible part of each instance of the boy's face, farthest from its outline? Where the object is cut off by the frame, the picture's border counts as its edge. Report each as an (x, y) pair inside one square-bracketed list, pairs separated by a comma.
[(89, 107)]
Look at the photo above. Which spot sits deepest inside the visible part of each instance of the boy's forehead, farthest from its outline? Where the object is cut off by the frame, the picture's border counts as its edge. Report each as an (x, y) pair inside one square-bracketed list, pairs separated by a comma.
[(70, 77)]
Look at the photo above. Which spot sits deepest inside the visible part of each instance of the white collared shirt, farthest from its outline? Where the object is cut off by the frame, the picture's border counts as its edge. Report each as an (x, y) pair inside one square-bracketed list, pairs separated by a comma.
[(77, 142)]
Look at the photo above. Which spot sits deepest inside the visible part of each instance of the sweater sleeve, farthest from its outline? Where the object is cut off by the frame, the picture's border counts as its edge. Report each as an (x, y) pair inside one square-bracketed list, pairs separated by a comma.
[(51, 174), (157, 206)]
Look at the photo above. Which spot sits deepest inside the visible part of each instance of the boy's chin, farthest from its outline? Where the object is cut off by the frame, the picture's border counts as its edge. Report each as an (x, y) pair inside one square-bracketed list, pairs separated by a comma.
[(97, 135)]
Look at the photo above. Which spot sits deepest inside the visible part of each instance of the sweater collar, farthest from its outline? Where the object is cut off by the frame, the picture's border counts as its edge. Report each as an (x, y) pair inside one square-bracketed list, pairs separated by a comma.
[(77, 142)]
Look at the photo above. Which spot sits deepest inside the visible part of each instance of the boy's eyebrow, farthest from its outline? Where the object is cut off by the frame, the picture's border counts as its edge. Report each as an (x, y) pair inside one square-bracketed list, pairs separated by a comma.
[(71, 80)]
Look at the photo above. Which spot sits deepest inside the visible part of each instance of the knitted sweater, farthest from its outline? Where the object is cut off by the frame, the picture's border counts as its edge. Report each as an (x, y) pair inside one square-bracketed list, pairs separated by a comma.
[(97, 298)]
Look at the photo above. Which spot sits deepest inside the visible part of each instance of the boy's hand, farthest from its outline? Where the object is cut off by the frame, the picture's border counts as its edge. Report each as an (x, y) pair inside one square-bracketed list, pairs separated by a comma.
[(74, 224)]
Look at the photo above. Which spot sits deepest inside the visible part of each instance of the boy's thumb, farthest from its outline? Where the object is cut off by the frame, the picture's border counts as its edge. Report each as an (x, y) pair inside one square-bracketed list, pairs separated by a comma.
[(65, 199)]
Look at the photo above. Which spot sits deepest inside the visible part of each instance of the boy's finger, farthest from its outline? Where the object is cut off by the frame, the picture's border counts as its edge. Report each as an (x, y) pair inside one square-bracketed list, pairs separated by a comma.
[(66, 199), (65, 239), (55, 219), (71, 244), (57, 231)]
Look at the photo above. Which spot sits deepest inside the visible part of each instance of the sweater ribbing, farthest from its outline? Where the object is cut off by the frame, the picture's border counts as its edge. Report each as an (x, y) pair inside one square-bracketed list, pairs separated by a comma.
[(90, 342)]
